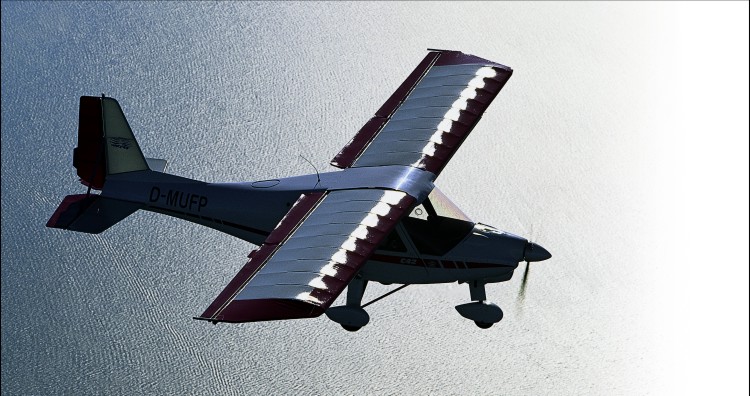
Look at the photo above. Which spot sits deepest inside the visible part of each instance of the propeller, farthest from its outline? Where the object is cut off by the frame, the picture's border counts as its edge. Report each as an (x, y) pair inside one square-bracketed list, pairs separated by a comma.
[(532, 252), (522, 290)]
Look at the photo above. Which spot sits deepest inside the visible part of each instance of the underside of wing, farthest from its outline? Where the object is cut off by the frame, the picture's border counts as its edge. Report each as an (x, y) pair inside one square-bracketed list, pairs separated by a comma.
[(311, 256), (428, 117)]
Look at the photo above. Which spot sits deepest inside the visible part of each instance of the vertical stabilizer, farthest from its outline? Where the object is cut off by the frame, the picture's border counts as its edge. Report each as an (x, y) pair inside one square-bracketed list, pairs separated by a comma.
[(106, 144), (123, 152)]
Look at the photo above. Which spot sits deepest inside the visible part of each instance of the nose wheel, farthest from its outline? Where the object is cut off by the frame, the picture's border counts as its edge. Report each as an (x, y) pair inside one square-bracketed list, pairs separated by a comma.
[(483, 325), (483, 313), (351, 328)]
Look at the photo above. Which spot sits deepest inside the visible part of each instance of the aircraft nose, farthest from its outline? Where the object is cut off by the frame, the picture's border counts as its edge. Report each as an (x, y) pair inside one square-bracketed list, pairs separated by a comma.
[(534, 252)]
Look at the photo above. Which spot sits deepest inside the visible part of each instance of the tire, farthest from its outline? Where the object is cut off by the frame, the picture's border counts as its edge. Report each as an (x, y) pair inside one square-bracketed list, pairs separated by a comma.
[(351, 328), (483, 325)]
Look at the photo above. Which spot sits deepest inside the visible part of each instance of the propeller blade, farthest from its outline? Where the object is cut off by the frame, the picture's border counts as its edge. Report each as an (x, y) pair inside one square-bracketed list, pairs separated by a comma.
[(522, 290), (531, 233)]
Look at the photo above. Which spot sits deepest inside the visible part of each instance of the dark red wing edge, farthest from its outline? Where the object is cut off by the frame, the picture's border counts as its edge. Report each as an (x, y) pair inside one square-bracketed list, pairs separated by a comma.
[(241, 311), (345, 158)]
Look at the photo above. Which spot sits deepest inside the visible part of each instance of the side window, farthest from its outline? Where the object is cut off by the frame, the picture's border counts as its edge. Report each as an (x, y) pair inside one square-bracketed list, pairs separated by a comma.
[(393, 243), (433, 234)]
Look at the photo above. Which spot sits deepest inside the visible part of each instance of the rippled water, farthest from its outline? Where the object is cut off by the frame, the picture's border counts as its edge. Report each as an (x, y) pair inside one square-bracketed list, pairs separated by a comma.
[(597, 148)]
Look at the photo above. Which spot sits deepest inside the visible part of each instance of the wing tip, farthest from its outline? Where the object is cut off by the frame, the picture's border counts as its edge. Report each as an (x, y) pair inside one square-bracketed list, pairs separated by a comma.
[(455, 57), (265, 309)]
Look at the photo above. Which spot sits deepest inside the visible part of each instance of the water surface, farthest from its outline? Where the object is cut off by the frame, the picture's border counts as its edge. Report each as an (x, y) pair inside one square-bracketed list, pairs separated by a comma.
[(597, 149)]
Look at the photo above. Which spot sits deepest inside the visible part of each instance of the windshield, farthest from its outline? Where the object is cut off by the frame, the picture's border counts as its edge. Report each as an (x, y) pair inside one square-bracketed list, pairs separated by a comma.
[(442, 206), (437, 225)]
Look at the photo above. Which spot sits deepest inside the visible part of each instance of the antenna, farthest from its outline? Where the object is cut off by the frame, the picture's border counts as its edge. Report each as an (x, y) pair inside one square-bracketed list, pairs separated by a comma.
[(313, 166)]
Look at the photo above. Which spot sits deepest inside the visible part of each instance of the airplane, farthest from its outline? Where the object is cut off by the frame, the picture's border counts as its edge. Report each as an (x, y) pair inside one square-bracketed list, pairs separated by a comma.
[(378, 219)]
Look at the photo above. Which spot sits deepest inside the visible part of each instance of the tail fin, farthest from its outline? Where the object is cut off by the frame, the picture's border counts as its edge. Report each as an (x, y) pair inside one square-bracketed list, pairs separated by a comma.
[(106, 144), (90, 213)]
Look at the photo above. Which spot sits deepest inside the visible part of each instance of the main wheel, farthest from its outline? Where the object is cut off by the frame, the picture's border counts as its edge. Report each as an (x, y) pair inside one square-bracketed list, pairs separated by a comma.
[(351, 328), (483, 325)]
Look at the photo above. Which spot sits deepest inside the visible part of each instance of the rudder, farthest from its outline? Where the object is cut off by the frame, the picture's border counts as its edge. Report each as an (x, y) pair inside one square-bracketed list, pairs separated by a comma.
[(106, 144)]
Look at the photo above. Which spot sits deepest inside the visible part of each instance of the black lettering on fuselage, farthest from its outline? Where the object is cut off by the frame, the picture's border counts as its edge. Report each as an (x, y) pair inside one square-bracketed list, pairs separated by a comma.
[(176, 198), (184, 204), (172, 198), (154, 196)]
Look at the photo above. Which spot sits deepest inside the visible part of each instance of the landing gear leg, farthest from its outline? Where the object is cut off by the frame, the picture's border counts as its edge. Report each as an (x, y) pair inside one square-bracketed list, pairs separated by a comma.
[(476, 290), (355, 291), (351, 316), (483, 313)]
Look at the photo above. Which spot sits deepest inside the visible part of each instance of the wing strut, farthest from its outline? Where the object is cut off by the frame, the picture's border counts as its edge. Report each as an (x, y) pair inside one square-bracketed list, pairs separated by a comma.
[(386, 294)]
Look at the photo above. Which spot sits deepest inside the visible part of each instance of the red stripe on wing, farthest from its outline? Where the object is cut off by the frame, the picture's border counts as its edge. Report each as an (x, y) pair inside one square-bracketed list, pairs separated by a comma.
[(390, 105), (240, 311), (346, 157), (299, 211)]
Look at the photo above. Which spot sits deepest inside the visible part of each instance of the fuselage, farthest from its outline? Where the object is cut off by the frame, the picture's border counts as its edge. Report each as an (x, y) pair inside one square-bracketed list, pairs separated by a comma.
[(482, 253), (422, 249)]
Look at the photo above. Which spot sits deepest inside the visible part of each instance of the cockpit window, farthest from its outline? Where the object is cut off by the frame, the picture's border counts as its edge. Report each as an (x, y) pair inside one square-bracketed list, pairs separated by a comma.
[(393, 243), (437, 225), (440, 206), (445, 207)]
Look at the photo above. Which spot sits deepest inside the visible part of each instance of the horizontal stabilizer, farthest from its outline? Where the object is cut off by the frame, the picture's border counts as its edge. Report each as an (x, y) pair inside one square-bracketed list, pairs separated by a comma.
[(157, 165), (90, 213)]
